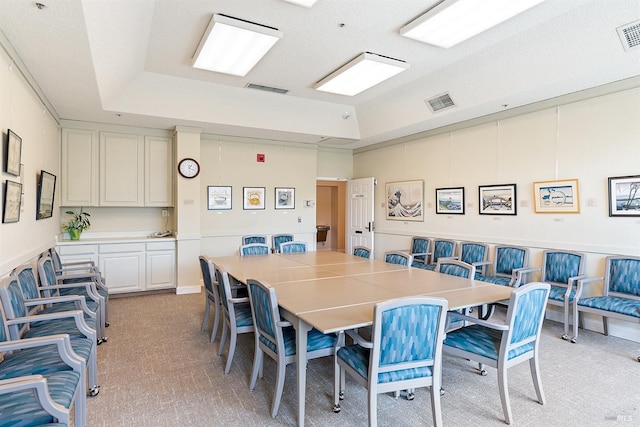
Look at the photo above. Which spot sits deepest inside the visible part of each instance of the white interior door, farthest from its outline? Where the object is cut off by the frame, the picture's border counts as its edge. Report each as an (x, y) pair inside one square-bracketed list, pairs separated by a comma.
[(360, 213)]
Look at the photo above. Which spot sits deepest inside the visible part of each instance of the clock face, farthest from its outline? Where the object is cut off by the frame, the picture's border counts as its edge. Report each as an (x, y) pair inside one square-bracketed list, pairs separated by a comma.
[(188, 168)]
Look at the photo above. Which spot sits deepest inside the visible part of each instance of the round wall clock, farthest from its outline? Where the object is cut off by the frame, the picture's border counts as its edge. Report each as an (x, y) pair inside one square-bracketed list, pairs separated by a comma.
[(188, 168)]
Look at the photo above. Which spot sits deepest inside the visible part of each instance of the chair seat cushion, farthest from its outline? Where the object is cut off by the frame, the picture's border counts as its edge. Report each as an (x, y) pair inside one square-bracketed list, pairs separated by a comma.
[(496, 280), (58, 326), (32, 361), (70, 305), (619, 305), (243, 314), (557, 293), (422, 265), (357, 358), (316, 340), (481, 340)]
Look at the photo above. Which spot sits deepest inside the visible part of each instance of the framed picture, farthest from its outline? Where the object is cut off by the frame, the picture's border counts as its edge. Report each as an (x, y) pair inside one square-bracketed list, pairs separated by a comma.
[(219, 198), (285, 198), (556, 196), (12, 199), (253, 198), (45, 195), (624, 196), (497, 199), (450, 200), (14, 152), (405, 200)]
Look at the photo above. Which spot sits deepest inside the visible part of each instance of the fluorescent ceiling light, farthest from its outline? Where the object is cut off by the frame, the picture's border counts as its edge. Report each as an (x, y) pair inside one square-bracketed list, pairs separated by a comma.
[(453, 21), (363, 72), (305, 3), (233, 46)]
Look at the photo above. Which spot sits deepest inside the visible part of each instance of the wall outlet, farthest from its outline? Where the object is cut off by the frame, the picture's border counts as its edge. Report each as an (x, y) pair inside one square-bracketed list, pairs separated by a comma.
[(165, 212)]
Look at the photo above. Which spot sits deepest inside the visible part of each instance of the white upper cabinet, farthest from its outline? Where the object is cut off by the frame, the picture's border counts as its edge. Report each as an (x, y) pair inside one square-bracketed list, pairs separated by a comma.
[(158, 171), (79, 174), (121, 170)]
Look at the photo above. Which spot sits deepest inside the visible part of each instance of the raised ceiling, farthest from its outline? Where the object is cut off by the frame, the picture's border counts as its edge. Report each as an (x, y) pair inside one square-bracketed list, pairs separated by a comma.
[(128, 62)]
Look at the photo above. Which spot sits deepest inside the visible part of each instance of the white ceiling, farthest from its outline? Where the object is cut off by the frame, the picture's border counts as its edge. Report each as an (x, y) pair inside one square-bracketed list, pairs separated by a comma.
[(128, 62)]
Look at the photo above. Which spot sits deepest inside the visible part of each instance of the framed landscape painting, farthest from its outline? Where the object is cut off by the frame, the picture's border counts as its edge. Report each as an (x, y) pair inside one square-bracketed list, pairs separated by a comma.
[(450, 200), (405, 200), (624, 196), (497, 199), (557, 196)]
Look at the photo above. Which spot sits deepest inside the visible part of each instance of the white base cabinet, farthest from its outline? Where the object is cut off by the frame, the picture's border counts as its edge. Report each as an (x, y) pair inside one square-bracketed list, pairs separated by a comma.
[(128, 266)]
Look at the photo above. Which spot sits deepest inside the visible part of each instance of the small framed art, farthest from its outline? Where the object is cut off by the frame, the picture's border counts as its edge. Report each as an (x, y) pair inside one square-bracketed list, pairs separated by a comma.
[(12, 199), (45, 195), (219, 197), (497, 199), (405, 200), (624, 195), (450, 200), (253, 198), (14, 152), (285, 198), (556, 196)]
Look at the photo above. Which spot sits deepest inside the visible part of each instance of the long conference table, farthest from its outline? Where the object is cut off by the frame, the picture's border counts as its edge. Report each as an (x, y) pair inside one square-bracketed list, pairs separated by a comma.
[(334, 291)]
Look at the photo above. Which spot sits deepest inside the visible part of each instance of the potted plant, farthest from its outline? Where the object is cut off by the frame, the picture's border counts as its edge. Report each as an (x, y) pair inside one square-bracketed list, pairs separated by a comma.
[(77, 224)]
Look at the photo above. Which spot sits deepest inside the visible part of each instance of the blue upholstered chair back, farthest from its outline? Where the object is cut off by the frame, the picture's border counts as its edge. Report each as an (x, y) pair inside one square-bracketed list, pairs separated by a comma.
[(455, 268), (420, 246), (254, 238), (397, 258), (623, 274), (254, 249), (4, 330), (28, 281), (525, 315), (471, 252), (508, 258), (362, 251), (13, 303), (206, 266), (442, 249), (265, 309), (559, 266), (46, 266), (280, 238), (224, 287), (289, 247)]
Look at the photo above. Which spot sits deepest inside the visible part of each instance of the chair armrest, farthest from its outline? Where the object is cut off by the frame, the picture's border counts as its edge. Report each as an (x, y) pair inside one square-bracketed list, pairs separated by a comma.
[(479, 263), (65, 276), (358, 339), (77, 315), (518, 273), (90, 287), (64, 298), (481, 322), (238, 300), (61, 341), (449, 257), (39, 384), (580, 287), (283, 323)]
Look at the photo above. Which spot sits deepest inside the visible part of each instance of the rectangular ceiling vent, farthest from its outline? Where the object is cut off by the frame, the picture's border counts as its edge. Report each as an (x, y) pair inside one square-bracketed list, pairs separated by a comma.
[(267, 88), (440, 102), (630, 35)]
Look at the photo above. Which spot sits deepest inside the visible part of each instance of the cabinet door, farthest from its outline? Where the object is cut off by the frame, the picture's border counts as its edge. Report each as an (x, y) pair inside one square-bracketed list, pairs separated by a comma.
[(123, 272), (121, 170), (79, 174), (160, 269), (158, 171)]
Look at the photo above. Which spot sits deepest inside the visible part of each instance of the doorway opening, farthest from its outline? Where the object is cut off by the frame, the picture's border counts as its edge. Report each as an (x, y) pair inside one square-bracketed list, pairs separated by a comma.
[(331, 212)]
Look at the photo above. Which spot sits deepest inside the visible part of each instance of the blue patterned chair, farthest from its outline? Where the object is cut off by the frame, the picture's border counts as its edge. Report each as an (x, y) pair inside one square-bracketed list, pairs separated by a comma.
[(33, 296), (454, 267), (291, 247), (503, 345), (254, 249), (419, 249), (211, 296), (562, 269), (22, 325), (80, 271), (41, 379), (620, 297), (277, 339), (276, 239), (362, 251), (254, 238), (236, 315), (441, 248), (397, 257), (387, 363), (474, 253), (509, 267)]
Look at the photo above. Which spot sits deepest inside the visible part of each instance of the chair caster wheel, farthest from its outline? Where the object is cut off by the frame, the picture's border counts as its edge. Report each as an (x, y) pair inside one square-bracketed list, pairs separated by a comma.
[(341, 395), (573, 340), (638, 359), (94, 391), (336, 408), (410, 396), (106, 324), (99, 341), (441, 392), (565, 337), (483, 372)]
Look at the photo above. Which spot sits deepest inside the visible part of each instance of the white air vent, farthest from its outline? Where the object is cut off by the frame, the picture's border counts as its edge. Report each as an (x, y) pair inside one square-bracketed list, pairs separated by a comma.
[(267, 88), (630, 35), (440, 102)]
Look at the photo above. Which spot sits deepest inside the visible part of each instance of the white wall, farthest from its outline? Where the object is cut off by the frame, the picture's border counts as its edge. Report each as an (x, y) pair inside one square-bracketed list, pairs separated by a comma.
[(22, 112), (590, 140)]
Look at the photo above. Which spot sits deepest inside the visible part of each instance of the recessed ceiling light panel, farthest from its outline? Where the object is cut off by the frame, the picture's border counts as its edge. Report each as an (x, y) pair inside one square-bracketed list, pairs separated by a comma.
[(233, 46), (305, 3), (363, 72)]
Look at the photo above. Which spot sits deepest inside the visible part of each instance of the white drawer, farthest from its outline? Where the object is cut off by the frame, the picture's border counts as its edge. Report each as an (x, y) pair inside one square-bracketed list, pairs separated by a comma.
[(77, 249), (122, 247), (161, 246)]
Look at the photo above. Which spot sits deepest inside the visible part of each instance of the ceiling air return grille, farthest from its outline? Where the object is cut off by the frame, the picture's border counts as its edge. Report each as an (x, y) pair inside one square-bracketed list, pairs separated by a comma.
[(630, 35), (267, 88), (440, 102)]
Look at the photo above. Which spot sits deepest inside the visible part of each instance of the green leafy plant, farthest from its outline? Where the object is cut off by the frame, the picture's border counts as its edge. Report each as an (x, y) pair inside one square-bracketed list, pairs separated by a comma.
[(79, 221)]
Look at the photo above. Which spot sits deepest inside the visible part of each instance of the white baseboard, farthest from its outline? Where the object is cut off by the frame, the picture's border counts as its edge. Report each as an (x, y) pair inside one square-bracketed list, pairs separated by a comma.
[(617, 328), (182, 290)]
